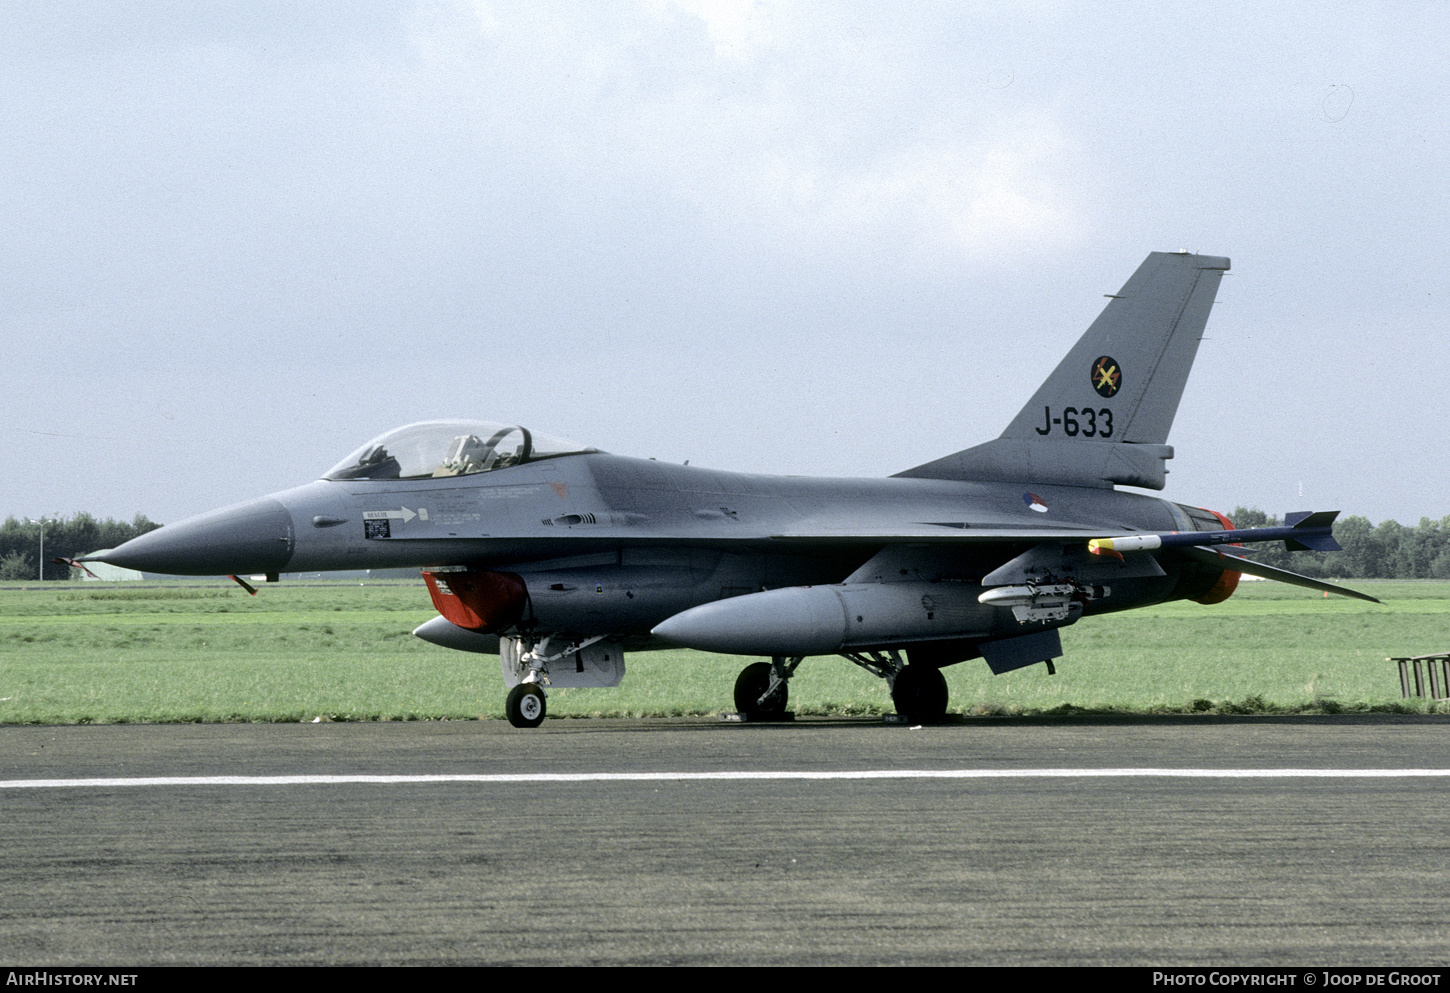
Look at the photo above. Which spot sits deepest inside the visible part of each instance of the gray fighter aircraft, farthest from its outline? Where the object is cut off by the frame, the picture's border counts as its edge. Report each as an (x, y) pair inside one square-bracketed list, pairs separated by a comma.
[(561, 558)]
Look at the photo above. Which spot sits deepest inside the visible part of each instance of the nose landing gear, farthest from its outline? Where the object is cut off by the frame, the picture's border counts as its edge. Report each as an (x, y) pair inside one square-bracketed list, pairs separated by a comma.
[(528, 661)]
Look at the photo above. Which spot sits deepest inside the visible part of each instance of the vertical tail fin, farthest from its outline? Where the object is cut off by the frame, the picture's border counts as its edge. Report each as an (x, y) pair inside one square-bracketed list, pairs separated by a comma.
[(1104, 414)]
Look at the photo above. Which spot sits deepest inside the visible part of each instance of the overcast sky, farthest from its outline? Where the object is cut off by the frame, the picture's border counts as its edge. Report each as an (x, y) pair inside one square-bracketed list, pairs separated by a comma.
[(844, 239)]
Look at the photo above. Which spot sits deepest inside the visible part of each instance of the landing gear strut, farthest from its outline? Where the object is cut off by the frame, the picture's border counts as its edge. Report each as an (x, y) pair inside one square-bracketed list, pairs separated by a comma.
[(524, 705), (761, 690)]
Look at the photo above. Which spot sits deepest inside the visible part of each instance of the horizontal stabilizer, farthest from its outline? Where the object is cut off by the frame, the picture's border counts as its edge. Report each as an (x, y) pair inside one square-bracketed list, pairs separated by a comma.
[(1219, 557)]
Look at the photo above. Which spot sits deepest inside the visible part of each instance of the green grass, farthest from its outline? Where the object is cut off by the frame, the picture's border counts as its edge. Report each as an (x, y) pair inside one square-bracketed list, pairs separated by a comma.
[(187, 651)]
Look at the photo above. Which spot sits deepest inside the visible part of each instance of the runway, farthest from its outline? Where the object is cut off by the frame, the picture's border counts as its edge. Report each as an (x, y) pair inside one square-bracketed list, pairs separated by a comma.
[(1134, 841)]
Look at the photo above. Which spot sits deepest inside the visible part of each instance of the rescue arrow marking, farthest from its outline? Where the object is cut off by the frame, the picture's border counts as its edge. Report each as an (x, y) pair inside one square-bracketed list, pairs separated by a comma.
[(402, 514)]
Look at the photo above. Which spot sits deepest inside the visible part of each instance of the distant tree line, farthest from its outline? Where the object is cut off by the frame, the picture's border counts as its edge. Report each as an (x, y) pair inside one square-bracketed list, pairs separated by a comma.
[(1388, 550), (65, 537)]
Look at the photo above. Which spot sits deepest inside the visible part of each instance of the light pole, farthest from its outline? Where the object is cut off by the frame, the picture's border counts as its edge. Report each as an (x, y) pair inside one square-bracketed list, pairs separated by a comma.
[(40, 566)]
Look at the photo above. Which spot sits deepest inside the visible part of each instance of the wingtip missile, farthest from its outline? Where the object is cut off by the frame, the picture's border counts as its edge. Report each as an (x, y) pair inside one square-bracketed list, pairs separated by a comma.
[(1113, 548), (1313, 531), (1302, 531)]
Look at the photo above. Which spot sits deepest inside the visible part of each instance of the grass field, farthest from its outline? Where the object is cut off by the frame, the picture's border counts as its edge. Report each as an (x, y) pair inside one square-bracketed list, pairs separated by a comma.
[(192, 651)]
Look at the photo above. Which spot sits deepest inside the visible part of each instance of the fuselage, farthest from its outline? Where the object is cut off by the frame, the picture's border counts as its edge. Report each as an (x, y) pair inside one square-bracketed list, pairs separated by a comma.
[(635, 541)]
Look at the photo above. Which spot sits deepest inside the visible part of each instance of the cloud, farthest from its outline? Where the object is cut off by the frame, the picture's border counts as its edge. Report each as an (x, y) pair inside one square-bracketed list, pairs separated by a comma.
[(973, 198), (739, 28), (800, 137)]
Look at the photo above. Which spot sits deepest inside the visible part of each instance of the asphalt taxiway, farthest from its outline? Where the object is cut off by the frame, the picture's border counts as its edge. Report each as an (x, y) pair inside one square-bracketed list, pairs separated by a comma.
[(1266, 841)]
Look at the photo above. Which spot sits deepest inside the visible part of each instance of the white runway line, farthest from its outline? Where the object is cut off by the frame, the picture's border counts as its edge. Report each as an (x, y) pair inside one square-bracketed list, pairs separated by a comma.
[(753, 775)]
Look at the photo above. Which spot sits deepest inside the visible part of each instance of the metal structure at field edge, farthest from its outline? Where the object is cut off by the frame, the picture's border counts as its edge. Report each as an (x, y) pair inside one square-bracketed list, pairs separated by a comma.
[(561, 558)]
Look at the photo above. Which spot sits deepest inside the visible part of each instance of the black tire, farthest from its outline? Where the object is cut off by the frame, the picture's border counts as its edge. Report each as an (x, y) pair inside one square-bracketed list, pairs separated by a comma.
[(920, 694), (751, 684), (525, 706)]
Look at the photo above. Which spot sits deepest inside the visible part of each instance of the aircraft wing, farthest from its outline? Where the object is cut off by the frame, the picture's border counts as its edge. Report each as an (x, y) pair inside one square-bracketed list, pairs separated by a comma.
[(945, 533), (1308, 531), (1303, 531)]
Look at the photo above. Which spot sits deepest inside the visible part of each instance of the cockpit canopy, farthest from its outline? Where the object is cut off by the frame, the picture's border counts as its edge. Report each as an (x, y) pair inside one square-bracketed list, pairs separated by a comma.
[(433, 449)]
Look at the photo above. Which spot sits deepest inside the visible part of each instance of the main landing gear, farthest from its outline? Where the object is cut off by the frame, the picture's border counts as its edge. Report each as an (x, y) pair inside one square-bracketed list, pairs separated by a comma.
[(920, 694), (918, 691)]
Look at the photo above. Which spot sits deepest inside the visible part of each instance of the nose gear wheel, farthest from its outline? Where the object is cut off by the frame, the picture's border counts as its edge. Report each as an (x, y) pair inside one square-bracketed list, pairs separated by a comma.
[(525, 705)]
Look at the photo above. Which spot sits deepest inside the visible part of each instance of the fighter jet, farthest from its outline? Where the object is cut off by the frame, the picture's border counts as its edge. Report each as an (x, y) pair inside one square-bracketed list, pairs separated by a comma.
[(561, 558)]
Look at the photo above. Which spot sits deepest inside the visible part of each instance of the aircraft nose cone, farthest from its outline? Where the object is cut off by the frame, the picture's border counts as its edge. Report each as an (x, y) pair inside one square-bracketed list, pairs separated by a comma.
[(256, 536)]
